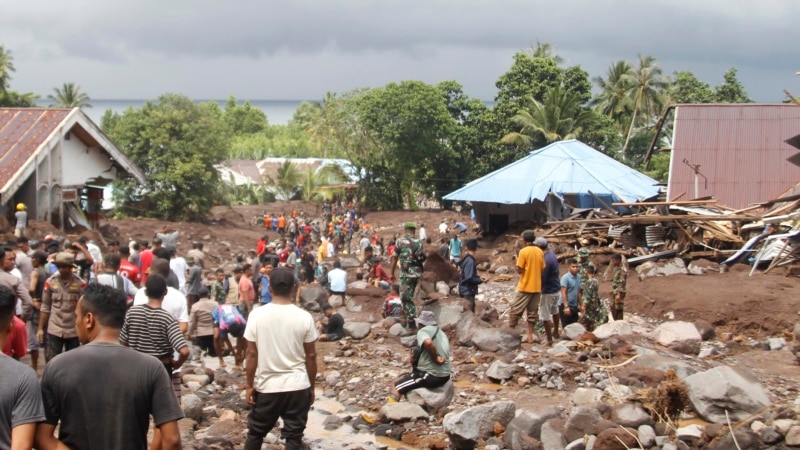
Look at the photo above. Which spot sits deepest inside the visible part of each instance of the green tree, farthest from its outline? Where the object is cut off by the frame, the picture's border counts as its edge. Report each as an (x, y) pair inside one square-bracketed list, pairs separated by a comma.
[(645, 86), (316, 183), (613, 99), (244, 119), (558, 117), (684, 87), (176, 143), (286, 181), (69, 96), (9, 98), (731, 91), (6, 68)]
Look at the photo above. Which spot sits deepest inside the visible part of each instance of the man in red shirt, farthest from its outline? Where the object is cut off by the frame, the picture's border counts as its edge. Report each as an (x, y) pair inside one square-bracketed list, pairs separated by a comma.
[(377, 274), (262, 245), (247, 293), (146, 258), (126, 268), (17, 344)]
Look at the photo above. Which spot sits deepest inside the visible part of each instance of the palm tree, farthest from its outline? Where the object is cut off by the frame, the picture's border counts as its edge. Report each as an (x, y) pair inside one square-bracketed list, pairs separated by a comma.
[(316, 183), (6, 67), (69, 96), (559, 116), (613, 99), (286, 181), (544, 50), (645, 86)]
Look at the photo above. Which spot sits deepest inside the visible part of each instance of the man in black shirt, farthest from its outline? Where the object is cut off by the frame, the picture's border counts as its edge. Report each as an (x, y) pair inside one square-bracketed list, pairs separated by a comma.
[(334, 330), (113, 388)]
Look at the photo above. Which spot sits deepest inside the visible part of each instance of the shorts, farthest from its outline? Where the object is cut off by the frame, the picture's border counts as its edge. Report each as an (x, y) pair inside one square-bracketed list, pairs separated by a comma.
[(525, 302), (548, 307), (33, 341)]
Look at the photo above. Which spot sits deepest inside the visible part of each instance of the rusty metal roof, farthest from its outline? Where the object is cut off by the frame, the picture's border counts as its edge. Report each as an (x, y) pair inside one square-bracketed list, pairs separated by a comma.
[(22, 131), (740, 149)]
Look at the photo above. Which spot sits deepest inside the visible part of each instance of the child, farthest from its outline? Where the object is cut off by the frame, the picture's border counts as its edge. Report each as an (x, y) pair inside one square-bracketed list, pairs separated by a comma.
[(393, 306), (593, 310)]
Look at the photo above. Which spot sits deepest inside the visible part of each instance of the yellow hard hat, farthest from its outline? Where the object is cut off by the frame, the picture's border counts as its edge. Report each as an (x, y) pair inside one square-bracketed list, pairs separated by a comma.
[(20, 206)]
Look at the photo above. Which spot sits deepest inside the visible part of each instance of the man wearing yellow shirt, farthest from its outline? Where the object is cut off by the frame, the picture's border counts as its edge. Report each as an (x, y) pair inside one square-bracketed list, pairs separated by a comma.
[(530, 264)]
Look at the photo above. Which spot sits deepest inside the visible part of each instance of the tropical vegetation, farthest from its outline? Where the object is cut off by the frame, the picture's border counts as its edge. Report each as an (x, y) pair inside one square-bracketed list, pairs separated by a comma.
[(404, 140)]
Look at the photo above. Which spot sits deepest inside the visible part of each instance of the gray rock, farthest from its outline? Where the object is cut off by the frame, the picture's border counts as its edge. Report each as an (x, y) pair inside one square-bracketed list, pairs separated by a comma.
[(402, 412), (332, 377), (574, 331), (586, 396), (357, 330), (349, 262), (409, 340), (448, 314), (680, 336), (501, 270), (615, 328), (582, 420), (358, 285), (647, 435), (528, 423), (500, 371), (397, 330), (630, 415), (558, 349), (336, 301), (745, 439), (332, 422), (769, 435), (726, 388), (663, 364), (467, 427), (783, 425), (705, 329), (617, 392), (352, 305), (314, 293), (689, 432), (193, 386), (202, 380), (552, 435), (442, 288), (435, 399), (496, 339), (220, 434), (777, 343), (192, 407)]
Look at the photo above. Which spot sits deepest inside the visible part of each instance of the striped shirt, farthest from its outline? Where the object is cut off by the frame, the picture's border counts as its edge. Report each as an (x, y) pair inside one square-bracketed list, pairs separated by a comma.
[(152, 331)]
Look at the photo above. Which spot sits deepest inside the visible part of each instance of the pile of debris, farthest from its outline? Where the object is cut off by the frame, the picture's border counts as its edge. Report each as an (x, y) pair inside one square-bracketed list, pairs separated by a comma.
[(690, 229)]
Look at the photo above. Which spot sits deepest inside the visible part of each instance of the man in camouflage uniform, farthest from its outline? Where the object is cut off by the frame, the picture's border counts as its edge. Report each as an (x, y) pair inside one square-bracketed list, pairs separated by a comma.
[(593, 310), (407, 251), (583, 262), (618, 287)]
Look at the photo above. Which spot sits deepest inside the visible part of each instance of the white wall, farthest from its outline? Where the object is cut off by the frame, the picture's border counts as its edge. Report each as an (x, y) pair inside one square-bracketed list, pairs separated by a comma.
[(81, 163)]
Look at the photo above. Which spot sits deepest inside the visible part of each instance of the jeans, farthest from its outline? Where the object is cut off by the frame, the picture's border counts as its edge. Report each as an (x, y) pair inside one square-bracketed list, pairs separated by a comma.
[(291, 406)]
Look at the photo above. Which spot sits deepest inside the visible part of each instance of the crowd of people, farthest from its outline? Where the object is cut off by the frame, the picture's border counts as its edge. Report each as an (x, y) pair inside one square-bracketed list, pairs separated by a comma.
[(138, 311)]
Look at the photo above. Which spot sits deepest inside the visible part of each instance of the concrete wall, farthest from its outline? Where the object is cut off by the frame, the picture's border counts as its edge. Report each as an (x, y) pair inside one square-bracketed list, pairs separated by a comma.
[(80, 163)]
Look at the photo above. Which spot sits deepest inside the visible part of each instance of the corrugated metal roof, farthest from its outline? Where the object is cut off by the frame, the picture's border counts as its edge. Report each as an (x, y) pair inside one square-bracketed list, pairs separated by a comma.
[(561, 167), (22, 131), (740, 148)]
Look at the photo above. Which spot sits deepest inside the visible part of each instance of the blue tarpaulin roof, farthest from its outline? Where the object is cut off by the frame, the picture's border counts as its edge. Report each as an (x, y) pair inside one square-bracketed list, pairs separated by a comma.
[(561, 167)]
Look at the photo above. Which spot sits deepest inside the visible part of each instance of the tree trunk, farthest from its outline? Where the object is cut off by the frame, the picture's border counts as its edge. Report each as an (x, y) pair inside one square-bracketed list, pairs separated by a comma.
[(630, 129)]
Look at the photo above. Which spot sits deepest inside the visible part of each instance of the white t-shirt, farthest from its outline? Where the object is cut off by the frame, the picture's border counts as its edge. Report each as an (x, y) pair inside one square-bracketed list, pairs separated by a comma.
[(338, 280), (442, 228), (279, 332), (174, 303), (179, 266)]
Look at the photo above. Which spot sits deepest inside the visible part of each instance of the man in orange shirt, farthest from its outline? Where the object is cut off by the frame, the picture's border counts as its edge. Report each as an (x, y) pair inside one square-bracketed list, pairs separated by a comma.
[(530, 264), (282, 225)]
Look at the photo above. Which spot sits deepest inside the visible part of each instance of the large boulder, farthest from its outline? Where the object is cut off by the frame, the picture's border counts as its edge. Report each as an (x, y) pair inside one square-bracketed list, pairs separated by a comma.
[(349, 262), (466, 428), (435, 399), (726, 388), (586, 396), (356, 330), (402, 412), (574, 331), (496, 339), (615, 328), (192, 407), (552, 434), (527, 423), (501, 371), (449, 314), (630, 415), (582, 420), (680, 336), (664, 363), (314, 293)]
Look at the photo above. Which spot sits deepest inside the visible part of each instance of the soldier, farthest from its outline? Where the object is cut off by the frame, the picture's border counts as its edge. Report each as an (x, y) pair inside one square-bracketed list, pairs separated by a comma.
[(592, 308), (584, 262), (409, 252), (618, 287)]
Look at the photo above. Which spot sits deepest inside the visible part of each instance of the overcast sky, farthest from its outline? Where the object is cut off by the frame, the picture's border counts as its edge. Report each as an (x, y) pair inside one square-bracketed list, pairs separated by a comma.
[(294, 49)]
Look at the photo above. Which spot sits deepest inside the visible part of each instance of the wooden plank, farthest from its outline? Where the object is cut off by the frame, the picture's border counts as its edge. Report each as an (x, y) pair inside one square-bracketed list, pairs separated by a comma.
[(600, 200), (583, 225), (682, 203), (642, 219)]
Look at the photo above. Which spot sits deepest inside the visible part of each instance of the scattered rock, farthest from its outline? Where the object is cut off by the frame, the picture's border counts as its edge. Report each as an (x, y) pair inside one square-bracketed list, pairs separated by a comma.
[(467, 427), (630, 415), (500, 371), (435, 399), (582, 420), (574, 331), (527, 423), (705, 329), (402, 412), (494, 339), (586, 396), (192, 407), (357, 330), (679, 336), (615, 328), (616, 439), (552, 434), (726, 388)]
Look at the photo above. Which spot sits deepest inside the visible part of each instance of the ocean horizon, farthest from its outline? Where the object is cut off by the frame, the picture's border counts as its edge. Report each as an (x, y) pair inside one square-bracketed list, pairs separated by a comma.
[(279, 112)]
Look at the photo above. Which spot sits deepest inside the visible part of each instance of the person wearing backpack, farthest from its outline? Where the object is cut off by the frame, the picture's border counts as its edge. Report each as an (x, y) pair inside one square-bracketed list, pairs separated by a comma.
[(111, 277), (410, 255), (430, 359)]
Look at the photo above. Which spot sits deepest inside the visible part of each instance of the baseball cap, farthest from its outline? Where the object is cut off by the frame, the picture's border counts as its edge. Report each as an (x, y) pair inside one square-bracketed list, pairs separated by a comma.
[(282, 276)]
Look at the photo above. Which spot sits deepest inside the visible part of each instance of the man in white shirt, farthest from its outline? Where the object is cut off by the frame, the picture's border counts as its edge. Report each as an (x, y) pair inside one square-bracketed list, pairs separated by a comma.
[(337, 279), (179, 267), (281, 365), (443, 227), (174, 302)]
